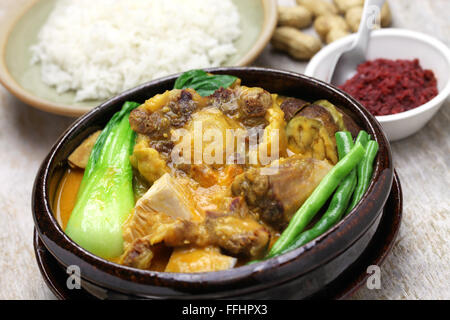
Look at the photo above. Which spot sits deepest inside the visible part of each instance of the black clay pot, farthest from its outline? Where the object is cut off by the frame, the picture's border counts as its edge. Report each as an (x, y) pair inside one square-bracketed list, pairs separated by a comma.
[(297, 274)]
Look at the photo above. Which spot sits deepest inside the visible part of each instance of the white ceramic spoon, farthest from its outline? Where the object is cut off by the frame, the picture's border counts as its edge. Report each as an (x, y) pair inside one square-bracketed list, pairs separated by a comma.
[(346, 63)]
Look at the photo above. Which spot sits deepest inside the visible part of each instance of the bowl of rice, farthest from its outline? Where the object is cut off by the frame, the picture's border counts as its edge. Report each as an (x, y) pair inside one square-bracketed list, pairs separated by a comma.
[(65, 57)]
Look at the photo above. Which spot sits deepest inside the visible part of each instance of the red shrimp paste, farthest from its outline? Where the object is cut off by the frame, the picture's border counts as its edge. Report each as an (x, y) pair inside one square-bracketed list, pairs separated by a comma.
[(391, 86)]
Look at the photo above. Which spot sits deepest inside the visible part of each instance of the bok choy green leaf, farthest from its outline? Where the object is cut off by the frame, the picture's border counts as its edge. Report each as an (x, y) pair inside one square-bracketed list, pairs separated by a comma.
[(105, 197)]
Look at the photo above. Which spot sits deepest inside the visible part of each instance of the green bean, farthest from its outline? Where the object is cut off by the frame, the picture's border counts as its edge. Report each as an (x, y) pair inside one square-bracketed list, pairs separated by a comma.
[(344, 143), (318, 198), (363, 137), (365, 171), (338, 203)]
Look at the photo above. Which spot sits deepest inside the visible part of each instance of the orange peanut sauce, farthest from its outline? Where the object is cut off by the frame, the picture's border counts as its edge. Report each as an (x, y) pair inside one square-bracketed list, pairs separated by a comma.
[(66, 195)]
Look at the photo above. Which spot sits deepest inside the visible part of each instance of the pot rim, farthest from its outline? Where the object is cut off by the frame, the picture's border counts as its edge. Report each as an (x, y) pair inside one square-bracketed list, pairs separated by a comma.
[(380, 186)]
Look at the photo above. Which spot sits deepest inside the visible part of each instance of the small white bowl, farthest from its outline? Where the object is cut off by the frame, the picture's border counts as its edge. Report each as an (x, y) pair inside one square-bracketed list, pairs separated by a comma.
[(397, 44)]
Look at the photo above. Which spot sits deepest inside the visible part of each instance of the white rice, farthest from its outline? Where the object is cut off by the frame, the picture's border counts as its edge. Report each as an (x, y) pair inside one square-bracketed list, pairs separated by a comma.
[(99, 48)]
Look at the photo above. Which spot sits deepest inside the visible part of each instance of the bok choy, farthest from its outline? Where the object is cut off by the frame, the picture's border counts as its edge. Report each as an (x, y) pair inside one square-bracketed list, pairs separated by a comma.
[(105, 197)]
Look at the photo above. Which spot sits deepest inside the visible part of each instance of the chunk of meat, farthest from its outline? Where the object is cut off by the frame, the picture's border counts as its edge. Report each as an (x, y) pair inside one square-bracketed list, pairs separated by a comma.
[(276, 197), (148, 123), (193, 259), (183, 232), (158, 227), (145, 232), (225, 100), (238, 207), (238, 236), (254, 102), (80, 157), (180, 109), (173, 109), (139, 254), (246, 103), (147, 160)]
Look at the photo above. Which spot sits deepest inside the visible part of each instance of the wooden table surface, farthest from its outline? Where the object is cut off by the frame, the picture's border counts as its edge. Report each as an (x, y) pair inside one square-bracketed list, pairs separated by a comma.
[(417, 268)]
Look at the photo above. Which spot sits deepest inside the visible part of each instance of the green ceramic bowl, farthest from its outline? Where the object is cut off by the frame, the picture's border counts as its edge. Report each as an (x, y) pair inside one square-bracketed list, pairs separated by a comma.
[(258, 21)]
